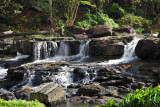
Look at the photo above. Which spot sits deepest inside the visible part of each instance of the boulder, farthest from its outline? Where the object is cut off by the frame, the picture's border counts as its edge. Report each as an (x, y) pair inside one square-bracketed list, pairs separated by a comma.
[(148, 48), (49, 93), (7, 46), (99, 31), (25, 47), (106, 47), (93, 90), (125, 29), (4, 94)]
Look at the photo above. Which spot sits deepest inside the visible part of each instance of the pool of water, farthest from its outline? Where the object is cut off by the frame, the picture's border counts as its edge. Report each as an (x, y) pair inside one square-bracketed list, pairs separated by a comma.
[(76, 105)]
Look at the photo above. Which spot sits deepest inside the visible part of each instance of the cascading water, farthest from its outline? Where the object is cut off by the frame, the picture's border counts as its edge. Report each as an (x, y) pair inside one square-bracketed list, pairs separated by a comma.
[(3, 73), (61, 53), (44, 50), (128, 55)]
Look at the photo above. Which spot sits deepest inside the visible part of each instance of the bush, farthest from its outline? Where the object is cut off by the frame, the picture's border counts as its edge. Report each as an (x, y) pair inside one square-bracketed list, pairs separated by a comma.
[(139, 98), (20, 103), (116, 11), (90, 20), (135, 21)]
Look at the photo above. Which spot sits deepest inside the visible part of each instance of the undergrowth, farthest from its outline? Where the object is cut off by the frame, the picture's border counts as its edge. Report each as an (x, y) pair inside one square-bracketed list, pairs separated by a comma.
[(20, 103), (138, 98)]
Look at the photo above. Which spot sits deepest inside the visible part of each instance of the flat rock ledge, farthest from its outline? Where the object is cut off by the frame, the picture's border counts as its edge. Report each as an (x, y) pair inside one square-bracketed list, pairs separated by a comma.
[(50, 94)]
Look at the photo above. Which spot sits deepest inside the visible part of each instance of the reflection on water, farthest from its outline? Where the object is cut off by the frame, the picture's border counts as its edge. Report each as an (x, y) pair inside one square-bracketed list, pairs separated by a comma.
[(76, 105)]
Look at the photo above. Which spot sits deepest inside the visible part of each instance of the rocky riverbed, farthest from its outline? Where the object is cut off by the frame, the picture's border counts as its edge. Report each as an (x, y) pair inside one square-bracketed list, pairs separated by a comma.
[(79, 70)]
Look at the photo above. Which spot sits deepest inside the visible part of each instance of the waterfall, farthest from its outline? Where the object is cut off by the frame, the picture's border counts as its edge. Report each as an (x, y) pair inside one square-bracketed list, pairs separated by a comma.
[(44, 50), (63, 49), (128, 55), (50, 52)]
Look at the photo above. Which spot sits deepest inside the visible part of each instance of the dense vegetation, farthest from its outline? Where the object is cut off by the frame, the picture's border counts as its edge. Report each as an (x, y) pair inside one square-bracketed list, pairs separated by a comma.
[(138, 98), (20, 103), (25, 15)]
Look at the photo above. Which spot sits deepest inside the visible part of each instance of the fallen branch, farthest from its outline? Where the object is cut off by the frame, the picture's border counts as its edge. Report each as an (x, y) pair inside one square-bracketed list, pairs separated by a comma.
[(23, 34)]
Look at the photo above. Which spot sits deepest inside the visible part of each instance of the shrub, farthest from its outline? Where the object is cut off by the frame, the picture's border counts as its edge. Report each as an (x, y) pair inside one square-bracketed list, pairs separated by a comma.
[(116, 10), (139, 30), (135, 21), (90, 20), (20, 103), (139, 98)]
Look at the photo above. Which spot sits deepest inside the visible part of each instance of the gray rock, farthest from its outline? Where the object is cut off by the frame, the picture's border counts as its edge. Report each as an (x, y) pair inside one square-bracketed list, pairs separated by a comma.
[(49, 94), (4, 94), (125, 29), (99, 31), (93, 90)]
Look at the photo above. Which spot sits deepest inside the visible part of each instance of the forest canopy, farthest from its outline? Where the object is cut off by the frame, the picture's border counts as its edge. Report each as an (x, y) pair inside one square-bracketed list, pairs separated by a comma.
[(21, 15)]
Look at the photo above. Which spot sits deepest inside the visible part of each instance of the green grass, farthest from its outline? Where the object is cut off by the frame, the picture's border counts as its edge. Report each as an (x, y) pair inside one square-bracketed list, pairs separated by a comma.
[(20, 103), (138, 98)]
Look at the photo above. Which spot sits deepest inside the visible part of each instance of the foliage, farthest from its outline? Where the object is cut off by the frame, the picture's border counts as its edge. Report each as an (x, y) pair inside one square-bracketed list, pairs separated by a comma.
[(116, 10), (20, 103), (139, 30), (109, 103), (90, 20), (135, 21), (139, 98), (88, 3)]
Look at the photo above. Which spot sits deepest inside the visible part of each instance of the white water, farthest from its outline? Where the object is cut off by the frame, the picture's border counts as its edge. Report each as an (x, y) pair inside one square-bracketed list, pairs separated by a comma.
[(3, 73), (128, 55), (18, 57), (44, 50), (62, 52)]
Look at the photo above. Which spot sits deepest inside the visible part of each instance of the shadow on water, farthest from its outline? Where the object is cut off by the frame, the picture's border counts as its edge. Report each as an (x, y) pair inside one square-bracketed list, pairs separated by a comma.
[(77, 105)]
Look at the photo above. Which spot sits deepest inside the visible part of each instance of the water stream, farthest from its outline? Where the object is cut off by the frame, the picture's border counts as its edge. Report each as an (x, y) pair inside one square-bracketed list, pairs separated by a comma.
[(54, 52)]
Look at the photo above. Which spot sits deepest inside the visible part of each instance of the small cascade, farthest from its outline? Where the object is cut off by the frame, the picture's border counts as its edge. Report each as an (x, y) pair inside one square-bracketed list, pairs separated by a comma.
[(50, 52), (44, 50), (128, 55), (63, 49), (84, 48), (18, 57), (3, 73)]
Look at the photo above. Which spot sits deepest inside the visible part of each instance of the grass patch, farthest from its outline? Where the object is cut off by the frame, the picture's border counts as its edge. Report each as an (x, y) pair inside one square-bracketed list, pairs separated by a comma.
[(20, 103)]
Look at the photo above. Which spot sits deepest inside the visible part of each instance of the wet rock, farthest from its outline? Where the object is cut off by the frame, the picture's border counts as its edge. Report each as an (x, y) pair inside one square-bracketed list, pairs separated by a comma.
[(70, 92), (103, 100), (123, 89), (49, 94), (112, 83), (17, 73), (4, 94), (148, 48), (93, 90), (125, 29), (99, 31), (81, 99), (40, 79), (24, 95), (108, 71), (79, 74)]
